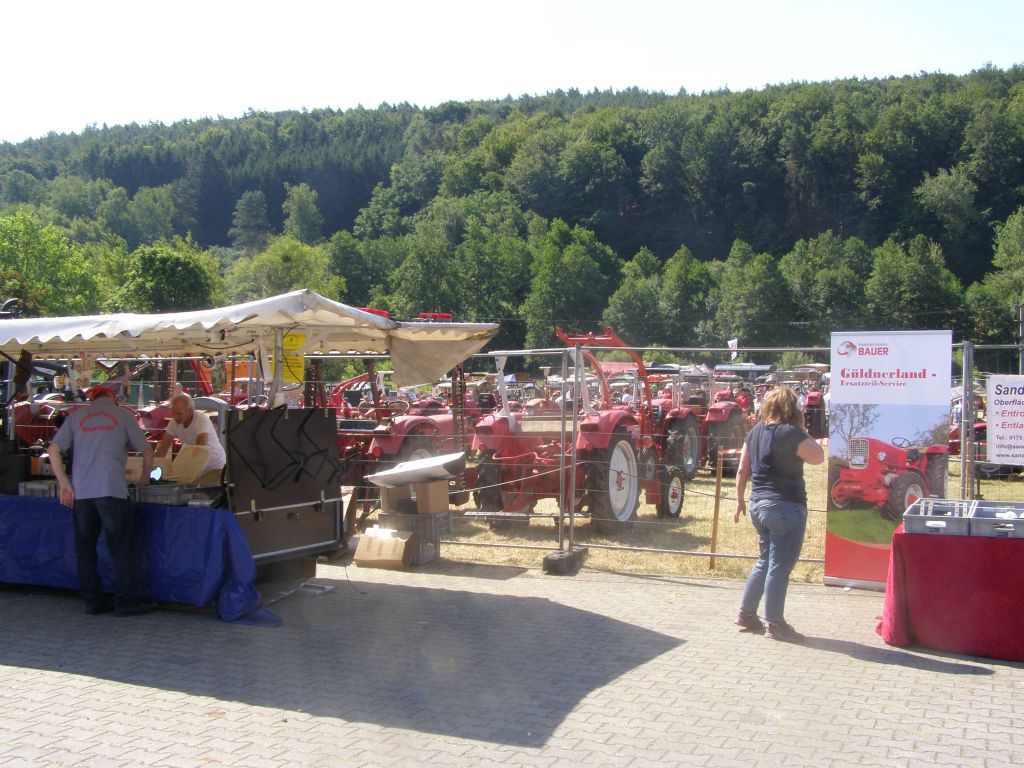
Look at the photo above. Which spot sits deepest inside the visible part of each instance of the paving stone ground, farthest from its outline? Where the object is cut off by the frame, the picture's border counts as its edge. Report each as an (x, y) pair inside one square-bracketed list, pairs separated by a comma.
[(460, 665)]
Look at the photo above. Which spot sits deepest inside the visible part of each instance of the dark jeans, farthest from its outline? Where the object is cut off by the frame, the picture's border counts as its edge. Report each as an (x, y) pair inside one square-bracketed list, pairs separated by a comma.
[(116, 518), (780, 530)]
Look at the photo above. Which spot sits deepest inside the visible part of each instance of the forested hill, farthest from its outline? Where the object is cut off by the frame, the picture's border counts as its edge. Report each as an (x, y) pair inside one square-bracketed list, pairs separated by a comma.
[(774, 216)]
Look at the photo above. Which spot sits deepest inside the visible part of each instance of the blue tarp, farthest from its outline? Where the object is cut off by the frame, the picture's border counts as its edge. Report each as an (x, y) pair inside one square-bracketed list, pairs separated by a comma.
[(190, 555)]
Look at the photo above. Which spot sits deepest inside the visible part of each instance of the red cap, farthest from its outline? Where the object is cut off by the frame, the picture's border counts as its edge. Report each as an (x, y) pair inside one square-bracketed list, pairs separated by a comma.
[(100, 389)]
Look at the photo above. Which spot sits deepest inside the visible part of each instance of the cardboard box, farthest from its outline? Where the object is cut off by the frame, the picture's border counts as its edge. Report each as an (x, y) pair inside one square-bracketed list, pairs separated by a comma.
[(429, 529), (379, 548), (429, 498), (133, 467)]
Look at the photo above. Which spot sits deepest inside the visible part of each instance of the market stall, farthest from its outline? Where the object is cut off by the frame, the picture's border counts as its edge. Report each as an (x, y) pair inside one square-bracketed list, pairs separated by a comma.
[(289, 500)]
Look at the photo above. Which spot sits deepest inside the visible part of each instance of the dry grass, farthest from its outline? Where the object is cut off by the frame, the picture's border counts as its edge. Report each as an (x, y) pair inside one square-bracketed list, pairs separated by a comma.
[(691, 532)]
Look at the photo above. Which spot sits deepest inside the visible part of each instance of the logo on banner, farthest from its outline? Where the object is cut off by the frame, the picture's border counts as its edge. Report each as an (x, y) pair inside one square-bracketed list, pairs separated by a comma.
[(852, 349)]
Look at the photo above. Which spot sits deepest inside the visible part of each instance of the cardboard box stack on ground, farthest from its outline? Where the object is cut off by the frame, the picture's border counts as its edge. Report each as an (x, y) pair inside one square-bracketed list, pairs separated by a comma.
[(414, 501)]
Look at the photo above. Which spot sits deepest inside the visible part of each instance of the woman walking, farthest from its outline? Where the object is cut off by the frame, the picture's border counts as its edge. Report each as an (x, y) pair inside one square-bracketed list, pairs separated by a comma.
[(773, 459)]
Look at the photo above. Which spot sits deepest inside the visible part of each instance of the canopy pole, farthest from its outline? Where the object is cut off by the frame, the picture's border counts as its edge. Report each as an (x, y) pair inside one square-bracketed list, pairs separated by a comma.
[(275, 387)]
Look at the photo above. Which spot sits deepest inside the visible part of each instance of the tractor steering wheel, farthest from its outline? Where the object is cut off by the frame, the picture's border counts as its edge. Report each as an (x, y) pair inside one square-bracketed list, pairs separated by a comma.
[(900, 442)]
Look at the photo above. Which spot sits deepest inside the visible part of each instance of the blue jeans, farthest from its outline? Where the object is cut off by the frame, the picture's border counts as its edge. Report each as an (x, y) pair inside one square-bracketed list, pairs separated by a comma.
[(780, 528), (116, 519)]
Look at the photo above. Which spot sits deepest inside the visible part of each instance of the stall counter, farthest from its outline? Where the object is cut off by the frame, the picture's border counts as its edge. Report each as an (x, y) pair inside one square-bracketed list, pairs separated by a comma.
[(961, 594), (190, 555)]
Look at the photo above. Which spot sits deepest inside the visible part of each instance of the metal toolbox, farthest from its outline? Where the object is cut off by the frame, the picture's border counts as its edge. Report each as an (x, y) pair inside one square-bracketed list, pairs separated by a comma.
[(999, 519), (949, 517)]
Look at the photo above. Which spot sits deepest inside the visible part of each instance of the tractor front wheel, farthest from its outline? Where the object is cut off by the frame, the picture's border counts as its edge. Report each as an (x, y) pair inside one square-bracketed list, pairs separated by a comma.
[(673, 489), (837, 500), (904, 491), (683, 443)]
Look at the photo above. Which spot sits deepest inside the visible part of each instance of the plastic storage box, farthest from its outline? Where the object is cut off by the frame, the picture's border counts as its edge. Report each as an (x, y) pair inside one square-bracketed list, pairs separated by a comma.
[(429, 528), (172, 494), (950, 517), (46, 488), (1000, 519)]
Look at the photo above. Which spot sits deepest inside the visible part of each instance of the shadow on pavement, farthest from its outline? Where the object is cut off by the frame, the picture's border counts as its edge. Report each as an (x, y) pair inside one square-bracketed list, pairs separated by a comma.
[(472, 665), (894, 657)]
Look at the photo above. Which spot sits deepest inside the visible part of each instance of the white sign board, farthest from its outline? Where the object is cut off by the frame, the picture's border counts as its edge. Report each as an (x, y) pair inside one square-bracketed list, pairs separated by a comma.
[(1005, 416), (891, 368)]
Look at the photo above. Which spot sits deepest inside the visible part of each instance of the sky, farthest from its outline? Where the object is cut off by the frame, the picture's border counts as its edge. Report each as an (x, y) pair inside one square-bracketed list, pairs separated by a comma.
[(67, 64)]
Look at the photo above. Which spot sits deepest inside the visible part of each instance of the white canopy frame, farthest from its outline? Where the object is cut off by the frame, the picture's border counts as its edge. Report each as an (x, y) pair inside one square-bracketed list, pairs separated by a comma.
[(420, 351)]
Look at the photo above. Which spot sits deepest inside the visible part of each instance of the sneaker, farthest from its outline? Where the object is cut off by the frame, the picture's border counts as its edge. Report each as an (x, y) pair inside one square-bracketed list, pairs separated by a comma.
[(134, 609), (749, 622), (102, 606), (780, 630)]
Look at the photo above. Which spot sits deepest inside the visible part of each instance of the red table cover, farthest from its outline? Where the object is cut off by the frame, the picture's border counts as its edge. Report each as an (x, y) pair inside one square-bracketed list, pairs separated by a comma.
[(963, 594)]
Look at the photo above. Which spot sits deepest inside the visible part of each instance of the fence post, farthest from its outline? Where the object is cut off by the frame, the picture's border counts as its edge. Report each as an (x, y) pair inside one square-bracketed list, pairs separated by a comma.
[(967, 425), (718, 502)]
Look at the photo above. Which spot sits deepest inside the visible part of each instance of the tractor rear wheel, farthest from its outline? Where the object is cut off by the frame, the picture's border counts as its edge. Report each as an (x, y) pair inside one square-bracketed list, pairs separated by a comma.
[(904, 491), (673, 489), (935, 473), (613, 485), (724, 437), (683, 446), (487, 494), (415, 447)]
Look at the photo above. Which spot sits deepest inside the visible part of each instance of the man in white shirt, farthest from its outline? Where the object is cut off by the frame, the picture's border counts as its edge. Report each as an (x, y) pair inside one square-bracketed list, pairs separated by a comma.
[(193, 427)]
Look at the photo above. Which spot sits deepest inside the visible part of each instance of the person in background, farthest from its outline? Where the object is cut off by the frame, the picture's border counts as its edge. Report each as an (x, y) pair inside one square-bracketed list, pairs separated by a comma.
[(100, 434), (192, 427), (773, 458)]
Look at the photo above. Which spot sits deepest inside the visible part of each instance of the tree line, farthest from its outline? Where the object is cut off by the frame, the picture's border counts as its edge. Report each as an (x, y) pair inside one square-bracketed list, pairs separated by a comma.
[(774, 216)]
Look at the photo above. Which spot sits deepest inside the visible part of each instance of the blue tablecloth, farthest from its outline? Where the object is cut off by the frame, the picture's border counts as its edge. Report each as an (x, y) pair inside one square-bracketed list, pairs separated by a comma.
[(190, 555)]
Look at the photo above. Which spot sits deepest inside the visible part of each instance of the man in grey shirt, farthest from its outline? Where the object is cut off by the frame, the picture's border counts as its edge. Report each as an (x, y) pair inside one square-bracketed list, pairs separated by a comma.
[(100, 435)]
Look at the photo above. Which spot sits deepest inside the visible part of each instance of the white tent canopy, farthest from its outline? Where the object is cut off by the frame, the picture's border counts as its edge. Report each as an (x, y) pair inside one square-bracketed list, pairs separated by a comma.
[(420, 351)]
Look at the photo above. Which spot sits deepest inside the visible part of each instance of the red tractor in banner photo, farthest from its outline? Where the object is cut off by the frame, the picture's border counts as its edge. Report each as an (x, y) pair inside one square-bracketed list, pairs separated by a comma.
[(892, 475), (620, 450)]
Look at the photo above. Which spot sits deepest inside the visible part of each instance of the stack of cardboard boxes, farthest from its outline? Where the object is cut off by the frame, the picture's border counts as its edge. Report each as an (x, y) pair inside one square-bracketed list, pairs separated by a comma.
[(414, 515)]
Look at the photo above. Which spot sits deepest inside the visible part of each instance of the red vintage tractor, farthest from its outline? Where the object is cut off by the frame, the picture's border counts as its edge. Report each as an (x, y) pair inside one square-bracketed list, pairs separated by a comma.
[(619, 450), (717, 421), (892, 475)]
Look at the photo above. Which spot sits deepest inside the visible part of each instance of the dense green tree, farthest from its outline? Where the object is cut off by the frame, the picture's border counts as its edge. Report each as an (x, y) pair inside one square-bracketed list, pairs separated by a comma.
[(165, 276), (568, 288), (826, 277), (154, 214), (250, 228), (633, 309), (911, 288), (754, 303), (77, 197), (286, 265), (56, 279), (993, 303), (686, 288), (302, 216)]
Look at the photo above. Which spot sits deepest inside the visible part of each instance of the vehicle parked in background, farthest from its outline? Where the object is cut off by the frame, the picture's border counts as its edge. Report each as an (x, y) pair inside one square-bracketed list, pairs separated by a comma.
[(620, 449)]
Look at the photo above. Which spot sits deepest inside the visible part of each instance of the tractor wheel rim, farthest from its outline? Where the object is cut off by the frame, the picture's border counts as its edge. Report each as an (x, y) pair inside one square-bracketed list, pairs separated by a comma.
[(691, 447), (675, 496), (622, 480)]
